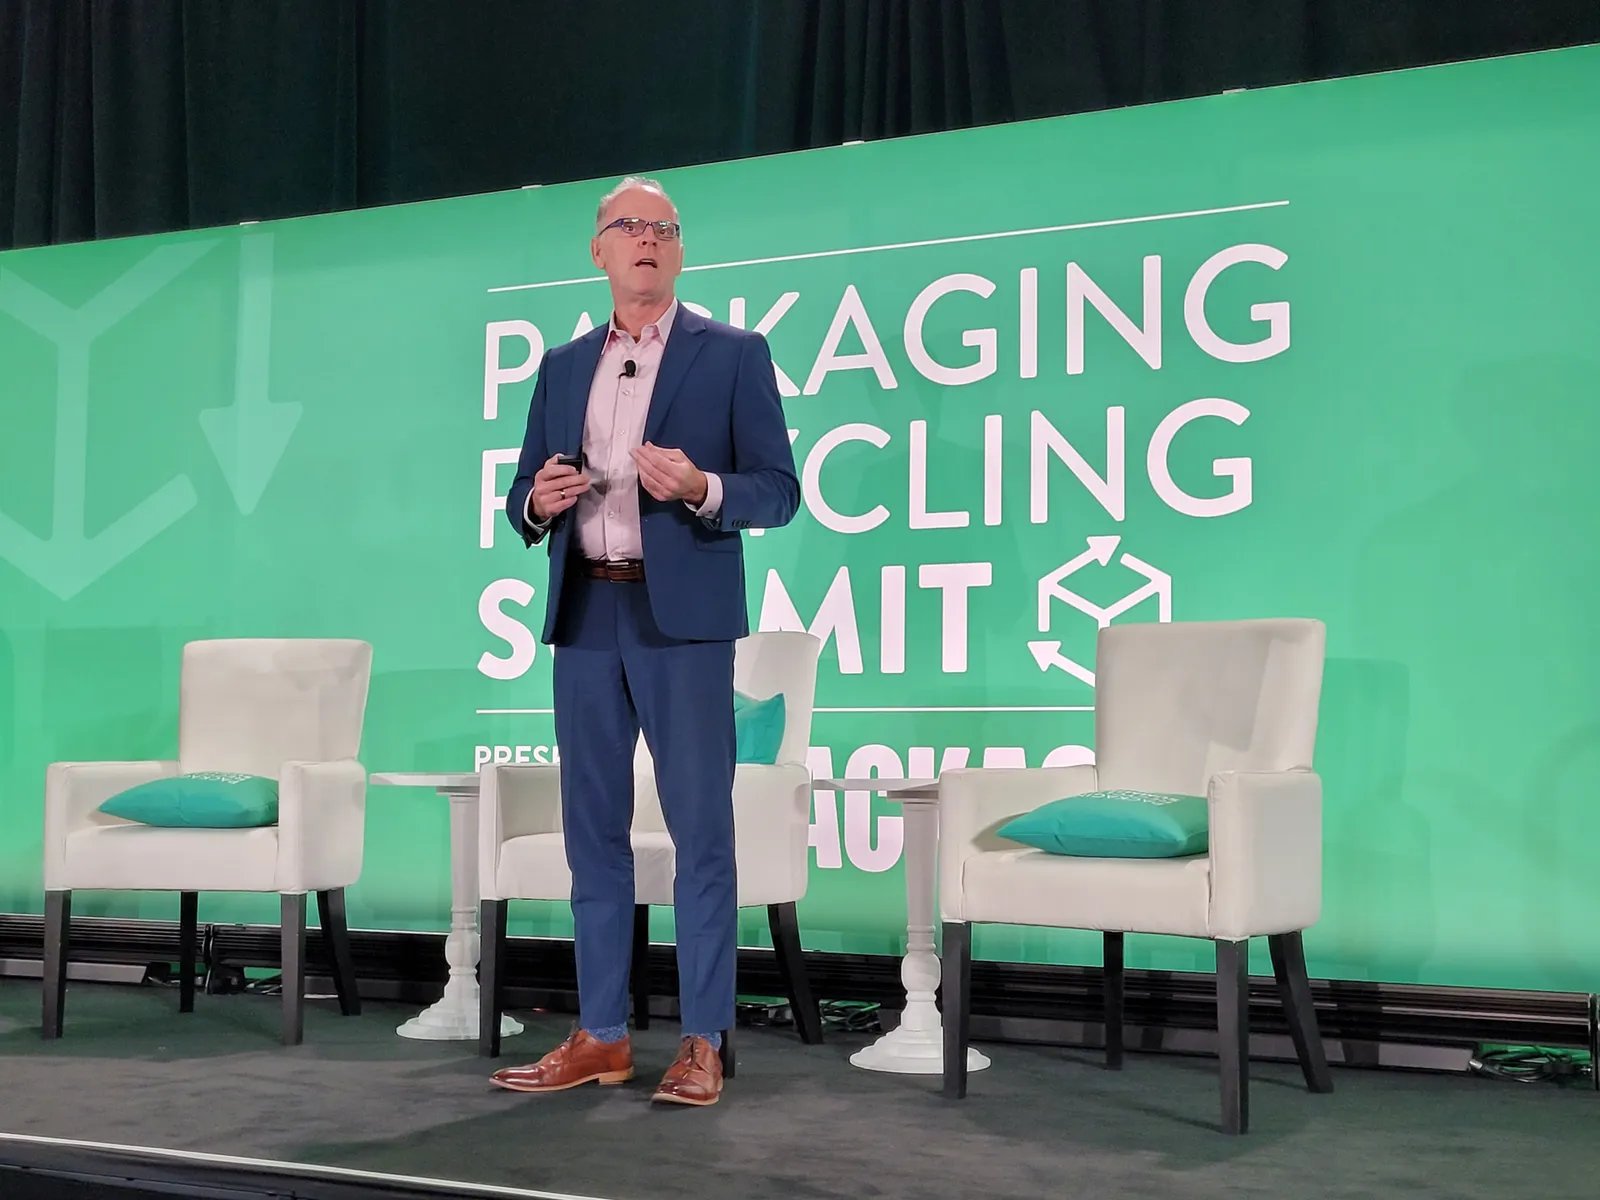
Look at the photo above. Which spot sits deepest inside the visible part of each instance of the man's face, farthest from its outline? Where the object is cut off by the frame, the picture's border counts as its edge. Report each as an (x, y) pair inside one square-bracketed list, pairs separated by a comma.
[(644, 265)]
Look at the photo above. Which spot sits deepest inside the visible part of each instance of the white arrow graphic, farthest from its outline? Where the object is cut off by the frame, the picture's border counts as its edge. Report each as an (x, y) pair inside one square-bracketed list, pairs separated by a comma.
[(250, 435), (1048, 654), (68, 560), (1160, 586), (1100, 550)]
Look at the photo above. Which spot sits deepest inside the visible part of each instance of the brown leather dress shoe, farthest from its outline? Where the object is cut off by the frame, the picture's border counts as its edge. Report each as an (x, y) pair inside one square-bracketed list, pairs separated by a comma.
[(695, 1077), (579, 1060)]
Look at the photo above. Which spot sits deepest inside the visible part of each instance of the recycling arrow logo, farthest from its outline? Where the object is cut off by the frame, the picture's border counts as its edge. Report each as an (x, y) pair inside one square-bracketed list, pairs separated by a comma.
[(247, 437), (1100, 551)]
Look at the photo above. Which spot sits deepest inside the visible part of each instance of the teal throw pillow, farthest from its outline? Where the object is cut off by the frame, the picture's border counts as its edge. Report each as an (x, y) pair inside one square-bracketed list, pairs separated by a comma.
[(201, 800), (758, 726), (1115, 824)]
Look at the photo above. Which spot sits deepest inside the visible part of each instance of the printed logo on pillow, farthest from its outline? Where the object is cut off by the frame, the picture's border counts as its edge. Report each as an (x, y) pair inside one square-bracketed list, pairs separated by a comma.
[(1143, 797)]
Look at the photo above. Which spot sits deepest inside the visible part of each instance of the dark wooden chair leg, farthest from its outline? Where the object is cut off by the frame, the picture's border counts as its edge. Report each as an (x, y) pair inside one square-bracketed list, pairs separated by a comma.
[(491, 974), (188, 941), (729, 1061), (639, 970), (956, 974), (336, 937), (293, 936), (784, 922), (57, 940), (1594, 1042), (1294, 992), (1233, 1033), (1112, 960)]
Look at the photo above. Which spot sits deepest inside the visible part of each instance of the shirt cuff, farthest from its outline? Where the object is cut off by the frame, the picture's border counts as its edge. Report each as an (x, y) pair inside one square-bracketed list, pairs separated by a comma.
[(529, 520), (712, 505)]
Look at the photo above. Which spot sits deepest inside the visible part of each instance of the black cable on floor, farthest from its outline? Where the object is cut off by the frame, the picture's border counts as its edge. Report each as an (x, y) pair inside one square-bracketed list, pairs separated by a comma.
[(850, 1016)]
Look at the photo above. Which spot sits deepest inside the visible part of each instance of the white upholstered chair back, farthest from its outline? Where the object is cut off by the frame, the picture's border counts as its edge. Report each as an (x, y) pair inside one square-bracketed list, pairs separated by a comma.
[(764, 664), (1177, 703), (249, 705)]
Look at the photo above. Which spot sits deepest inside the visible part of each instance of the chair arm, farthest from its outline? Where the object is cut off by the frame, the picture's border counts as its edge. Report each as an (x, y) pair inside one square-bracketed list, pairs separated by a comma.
[(513, 801), (772, 830), (975, 801), (1266, 852), (322, 816), (72, 792)]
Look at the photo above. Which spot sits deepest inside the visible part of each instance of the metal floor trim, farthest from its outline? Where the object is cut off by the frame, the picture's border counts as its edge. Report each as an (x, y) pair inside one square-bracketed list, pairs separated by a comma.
[(279, 1167)]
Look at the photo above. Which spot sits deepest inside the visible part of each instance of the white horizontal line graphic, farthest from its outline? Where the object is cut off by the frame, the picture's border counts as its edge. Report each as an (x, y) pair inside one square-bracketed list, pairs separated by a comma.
[(944, 241)]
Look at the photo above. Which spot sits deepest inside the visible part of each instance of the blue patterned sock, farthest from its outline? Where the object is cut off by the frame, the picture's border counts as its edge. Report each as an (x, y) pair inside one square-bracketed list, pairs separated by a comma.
[(714, 1038), (607, 1033)]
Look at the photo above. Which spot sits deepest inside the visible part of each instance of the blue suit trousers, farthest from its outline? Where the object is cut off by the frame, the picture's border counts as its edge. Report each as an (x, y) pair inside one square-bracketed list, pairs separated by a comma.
[(616, 674)]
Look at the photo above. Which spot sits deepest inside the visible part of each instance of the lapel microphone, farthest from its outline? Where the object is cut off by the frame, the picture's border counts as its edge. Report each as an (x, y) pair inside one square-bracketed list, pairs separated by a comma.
[(629, 368)]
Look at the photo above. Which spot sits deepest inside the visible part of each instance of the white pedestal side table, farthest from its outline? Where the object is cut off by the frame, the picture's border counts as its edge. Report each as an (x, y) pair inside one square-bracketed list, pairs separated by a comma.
[(454, 1018), (916, 1045)]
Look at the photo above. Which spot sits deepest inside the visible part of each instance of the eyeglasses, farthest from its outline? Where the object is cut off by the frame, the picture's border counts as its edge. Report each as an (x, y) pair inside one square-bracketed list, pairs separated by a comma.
[(667, 231)]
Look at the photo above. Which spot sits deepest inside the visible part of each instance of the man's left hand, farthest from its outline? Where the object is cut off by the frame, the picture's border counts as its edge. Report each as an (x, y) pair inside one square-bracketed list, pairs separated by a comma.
[(669, 475)]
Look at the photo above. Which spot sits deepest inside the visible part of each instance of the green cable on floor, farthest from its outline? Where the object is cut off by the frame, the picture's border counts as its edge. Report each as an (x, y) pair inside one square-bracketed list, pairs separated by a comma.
[(1532, 1064)]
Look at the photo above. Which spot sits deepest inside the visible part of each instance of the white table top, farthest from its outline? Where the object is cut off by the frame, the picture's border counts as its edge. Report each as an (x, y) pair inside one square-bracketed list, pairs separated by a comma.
[(894, 789), (452, 780)]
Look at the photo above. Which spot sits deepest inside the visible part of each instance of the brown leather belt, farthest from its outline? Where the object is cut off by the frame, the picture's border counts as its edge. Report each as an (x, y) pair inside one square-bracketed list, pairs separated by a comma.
[(622, 570)]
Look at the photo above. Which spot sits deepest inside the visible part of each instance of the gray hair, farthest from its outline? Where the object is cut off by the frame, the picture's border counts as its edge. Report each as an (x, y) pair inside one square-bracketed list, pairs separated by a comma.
[(628, 185)]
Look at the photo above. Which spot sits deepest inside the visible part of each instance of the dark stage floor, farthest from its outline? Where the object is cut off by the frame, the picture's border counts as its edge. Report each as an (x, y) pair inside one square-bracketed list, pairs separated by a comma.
[(798, 1121)]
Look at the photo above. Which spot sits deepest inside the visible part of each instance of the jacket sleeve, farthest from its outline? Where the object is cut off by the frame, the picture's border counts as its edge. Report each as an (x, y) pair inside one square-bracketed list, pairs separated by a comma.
[(763, 489), (533, 457)]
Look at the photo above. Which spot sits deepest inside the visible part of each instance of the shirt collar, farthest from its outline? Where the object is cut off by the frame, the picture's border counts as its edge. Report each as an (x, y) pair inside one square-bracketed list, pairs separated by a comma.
[(662, 325)]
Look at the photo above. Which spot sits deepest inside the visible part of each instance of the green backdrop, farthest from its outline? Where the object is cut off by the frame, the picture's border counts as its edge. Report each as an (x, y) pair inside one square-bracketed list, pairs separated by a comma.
[(1326, 350)]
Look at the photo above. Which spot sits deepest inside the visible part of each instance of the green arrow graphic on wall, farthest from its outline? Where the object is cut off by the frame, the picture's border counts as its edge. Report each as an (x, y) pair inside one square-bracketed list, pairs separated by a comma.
[(250, 435)]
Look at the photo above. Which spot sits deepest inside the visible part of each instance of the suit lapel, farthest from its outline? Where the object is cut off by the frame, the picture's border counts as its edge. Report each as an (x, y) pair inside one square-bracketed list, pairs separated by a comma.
[(585, 358), (682, 347)]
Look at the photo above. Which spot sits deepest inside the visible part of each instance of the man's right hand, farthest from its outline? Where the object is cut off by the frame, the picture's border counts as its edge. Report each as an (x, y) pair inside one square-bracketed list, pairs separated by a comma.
[(556, 488)]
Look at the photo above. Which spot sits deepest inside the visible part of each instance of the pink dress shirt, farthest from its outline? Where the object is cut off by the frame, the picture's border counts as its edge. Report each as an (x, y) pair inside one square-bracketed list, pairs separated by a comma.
[(607, 515)]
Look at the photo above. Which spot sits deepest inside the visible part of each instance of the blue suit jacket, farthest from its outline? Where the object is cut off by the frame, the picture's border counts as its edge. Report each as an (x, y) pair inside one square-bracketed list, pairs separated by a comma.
[(716, 399)]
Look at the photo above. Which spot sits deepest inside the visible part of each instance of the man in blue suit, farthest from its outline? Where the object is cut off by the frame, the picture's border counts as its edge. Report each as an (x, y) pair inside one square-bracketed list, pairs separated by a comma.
[(651, 443)]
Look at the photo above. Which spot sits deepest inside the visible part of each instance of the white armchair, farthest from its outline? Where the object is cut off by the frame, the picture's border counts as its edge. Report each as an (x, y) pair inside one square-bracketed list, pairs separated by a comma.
[(1227, 710), (291, 710), (522, 854)]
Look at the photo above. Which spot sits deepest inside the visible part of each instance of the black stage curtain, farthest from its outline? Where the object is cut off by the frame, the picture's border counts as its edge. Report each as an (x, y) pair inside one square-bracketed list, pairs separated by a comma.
[(135, 116)]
